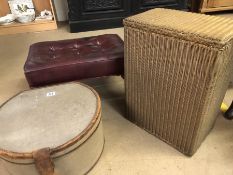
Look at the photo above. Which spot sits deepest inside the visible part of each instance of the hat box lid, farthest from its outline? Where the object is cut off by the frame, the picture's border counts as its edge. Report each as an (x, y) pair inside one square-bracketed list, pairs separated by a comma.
[(59, 117)]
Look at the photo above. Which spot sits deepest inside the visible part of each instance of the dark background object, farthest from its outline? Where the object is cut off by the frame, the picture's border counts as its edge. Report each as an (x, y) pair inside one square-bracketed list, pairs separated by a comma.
[(229, 113), (194, 5), (87, 15)]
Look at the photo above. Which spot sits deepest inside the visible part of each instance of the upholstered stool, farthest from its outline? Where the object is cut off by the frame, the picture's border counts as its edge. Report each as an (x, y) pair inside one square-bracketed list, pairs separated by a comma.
[(177, 67), (68, 60)]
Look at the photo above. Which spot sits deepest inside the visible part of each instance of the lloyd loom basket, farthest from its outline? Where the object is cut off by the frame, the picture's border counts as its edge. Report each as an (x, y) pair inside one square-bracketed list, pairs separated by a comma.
[(51, 131), (177, 67)]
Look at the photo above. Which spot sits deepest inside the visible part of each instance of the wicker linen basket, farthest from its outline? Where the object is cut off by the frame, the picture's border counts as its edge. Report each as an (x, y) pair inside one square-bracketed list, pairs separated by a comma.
[(54, 130), (177, 67)]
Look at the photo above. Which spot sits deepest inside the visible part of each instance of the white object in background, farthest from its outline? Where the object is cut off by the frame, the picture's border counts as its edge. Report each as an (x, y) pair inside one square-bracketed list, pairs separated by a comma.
[(26, 17), (45, 15), (20, 6), (8, 19)]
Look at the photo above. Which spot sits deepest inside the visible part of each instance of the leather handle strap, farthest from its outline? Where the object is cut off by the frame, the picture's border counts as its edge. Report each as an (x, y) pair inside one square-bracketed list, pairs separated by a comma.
[(43, 162)]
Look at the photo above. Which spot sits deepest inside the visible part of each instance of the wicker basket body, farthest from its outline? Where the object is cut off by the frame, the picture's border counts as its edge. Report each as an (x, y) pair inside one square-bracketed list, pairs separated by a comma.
[(177, 67)]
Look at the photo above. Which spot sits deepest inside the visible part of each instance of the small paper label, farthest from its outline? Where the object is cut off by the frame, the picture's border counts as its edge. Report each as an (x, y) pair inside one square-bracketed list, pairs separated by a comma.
[(50, 94)]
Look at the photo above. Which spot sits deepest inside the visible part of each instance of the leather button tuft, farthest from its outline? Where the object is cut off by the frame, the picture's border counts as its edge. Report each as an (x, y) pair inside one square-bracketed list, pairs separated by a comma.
[(75, 46), (51, 48), (52, 56)]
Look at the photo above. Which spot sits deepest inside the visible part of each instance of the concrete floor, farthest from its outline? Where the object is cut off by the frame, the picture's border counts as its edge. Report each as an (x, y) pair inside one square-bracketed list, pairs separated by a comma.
[(128, 149)]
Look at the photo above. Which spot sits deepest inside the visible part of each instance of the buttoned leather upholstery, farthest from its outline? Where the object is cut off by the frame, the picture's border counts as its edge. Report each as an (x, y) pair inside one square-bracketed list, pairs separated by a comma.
[(67, 60)]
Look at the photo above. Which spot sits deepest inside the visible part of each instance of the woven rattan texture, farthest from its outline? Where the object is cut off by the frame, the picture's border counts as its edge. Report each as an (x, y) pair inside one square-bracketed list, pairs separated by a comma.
[(209, 30), (175, 85)]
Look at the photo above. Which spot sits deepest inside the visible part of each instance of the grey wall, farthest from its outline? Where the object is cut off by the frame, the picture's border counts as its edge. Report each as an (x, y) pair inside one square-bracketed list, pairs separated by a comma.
[(61, 8)]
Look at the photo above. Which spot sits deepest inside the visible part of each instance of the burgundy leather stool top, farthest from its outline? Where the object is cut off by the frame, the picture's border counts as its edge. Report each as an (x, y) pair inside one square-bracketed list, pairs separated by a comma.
[(68, 60)]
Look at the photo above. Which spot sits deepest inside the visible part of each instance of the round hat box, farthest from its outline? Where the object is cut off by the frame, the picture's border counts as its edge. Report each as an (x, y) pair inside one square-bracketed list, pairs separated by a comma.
[(54, 130)]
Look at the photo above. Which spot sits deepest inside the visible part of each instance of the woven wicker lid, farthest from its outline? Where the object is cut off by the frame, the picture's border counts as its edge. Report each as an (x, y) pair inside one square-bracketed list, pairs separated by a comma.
[(47, 117), (210, 30)]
